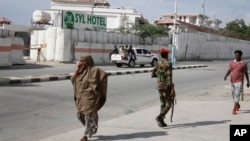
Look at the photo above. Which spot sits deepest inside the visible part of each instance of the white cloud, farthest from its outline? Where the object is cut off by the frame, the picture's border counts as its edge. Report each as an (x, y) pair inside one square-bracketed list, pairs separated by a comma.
[(247, 19)]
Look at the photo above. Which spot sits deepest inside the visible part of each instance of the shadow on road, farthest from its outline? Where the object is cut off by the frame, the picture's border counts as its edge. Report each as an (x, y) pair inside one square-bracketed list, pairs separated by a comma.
[(245, 111), (26, 66), (196, 124), (131, 136), (20, 85)]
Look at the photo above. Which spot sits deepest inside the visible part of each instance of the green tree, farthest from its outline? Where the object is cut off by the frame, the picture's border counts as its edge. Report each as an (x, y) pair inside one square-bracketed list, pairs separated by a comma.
[(152, 31), (132, 28), (237, 26), (248, 31)]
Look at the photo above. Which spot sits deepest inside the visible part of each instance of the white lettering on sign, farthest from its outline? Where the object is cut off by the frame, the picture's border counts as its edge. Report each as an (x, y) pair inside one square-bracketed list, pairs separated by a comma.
[(239, 132), (80, 20)]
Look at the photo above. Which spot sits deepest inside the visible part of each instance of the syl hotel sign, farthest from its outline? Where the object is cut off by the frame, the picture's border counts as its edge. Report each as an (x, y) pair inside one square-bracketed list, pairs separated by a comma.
[(80, 20)]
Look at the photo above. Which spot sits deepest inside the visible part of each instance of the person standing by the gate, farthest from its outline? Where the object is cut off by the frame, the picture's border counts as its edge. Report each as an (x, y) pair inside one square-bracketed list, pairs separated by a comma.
[(131, 54), (114, 51), (237, 68), (90, 90), (163, 72)]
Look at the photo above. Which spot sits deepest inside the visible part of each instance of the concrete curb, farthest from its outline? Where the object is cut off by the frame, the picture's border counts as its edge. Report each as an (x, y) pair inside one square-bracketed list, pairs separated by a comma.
[(33, 79)]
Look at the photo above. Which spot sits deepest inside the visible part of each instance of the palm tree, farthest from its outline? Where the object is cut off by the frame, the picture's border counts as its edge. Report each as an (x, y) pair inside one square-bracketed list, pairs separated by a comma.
[(145, 31), (154, 32)]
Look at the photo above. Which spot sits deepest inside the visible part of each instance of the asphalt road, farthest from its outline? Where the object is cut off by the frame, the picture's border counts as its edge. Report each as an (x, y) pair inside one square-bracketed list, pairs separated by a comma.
[(36, 110), (43, 68)]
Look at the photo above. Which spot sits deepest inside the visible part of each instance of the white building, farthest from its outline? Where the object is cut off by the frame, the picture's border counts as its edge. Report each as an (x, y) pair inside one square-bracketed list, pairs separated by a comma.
[(115, 17), (198, 19), (194, 19)]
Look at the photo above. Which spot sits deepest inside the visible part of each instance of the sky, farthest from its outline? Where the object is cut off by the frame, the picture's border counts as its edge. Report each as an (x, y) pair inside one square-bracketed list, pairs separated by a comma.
[(20, 11)]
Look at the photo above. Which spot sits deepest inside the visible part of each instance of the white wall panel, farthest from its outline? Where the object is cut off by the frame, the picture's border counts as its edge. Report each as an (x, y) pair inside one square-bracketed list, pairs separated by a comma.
[(105, 38), (93, 37), (99, 36), (51, 35), (33, 43), (64, 49), (119, 39), (81, 35), (41, 40), (87, 36)]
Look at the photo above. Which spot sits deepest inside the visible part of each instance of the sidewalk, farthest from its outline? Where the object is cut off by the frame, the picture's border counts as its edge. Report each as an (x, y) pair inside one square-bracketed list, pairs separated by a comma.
[(202, 118), (192, 121)]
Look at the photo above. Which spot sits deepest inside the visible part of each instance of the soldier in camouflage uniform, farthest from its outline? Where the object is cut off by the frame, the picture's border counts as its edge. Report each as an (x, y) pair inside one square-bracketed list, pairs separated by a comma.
[(163, 72)]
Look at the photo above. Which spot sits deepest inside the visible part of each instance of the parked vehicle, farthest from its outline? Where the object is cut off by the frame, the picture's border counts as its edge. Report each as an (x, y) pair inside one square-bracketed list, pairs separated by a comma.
[(143, 57)]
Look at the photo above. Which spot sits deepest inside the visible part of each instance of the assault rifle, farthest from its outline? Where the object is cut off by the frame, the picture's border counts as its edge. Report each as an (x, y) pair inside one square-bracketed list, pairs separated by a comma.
[(173, 101)]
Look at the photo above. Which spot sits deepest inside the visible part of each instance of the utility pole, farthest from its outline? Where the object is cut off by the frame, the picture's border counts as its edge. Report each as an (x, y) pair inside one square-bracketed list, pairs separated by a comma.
[(174, 39), (203, 7)]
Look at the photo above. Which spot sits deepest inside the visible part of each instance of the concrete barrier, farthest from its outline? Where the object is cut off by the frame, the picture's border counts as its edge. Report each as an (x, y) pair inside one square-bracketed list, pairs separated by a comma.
[(16, 52), (5, 48)]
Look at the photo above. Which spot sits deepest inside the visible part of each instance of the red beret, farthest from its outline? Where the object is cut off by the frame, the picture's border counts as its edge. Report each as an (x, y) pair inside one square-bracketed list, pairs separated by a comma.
[(163, 50)]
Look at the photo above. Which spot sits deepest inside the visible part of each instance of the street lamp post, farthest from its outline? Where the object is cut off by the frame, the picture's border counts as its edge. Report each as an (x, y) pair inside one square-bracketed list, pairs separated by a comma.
[(174, 39)]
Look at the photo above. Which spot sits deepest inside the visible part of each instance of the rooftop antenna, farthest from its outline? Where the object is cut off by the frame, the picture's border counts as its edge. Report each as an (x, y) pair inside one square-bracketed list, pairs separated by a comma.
[(203, 7)]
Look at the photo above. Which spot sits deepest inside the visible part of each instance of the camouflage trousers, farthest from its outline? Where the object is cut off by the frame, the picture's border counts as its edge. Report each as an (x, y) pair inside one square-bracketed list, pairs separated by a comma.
[(90, 122), (165, 100)]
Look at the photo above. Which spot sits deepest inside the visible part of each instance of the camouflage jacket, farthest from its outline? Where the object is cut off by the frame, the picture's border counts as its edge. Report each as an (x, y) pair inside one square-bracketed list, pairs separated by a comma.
[(163, 72)]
